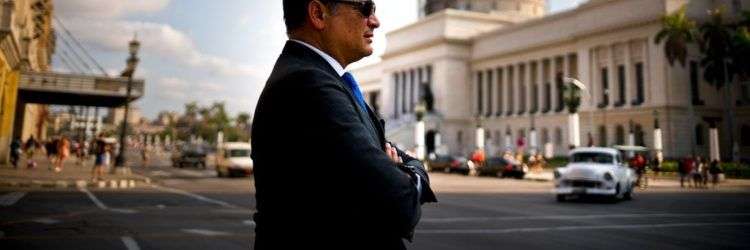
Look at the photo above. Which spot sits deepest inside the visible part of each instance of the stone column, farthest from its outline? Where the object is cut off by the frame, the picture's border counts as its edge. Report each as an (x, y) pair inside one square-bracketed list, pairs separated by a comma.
[(629, 83), (553, 84), (509, 90), (611, 76), (489, 78), (528, 86)]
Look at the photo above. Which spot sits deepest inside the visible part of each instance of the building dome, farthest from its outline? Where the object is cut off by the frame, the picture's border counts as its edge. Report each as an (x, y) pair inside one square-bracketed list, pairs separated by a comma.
[(523, 8)]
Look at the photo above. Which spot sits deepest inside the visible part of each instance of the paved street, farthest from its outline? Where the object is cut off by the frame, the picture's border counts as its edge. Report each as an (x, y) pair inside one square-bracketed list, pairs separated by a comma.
[(192, 209)]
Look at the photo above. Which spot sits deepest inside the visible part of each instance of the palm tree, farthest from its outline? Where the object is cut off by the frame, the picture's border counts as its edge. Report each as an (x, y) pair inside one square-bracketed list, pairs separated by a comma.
[(718, 69), (677, 32), (243, 119)]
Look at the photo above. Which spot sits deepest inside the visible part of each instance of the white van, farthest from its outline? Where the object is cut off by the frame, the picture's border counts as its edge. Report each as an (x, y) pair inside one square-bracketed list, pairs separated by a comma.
[(233, 158)]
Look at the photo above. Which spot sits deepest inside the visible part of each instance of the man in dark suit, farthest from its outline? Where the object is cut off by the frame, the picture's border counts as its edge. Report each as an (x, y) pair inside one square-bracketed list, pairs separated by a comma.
[(325, 177)]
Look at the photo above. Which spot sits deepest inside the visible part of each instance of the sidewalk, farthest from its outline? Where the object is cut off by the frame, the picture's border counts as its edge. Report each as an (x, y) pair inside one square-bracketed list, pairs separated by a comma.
[(670, 180), (72, 176)]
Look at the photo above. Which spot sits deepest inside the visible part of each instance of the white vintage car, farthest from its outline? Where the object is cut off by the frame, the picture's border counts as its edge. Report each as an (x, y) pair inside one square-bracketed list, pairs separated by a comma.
[(595, 171)]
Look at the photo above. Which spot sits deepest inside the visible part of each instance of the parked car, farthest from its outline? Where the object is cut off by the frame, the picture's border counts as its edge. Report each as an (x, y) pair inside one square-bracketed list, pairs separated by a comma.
[(189, 155), (502, 167), (233, 159), (448, 163), (596, 172)]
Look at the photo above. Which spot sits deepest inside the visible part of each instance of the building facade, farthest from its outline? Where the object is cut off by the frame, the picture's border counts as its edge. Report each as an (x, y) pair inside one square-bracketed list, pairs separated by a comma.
[(500, 69), (27, 43)]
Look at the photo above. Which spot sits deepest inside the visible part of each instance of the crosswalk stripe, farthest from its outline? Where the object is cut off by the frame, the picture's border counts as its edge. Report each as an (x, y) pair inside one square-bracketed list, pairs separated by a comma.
[(130, 243), (11, 198)]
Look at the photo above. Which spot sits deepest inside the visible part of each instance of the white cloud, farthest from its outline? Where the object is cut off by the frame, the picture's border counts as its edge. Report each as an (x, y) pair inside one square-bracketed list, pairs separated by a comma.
[(172, 83), (107, 8), (156, 39)]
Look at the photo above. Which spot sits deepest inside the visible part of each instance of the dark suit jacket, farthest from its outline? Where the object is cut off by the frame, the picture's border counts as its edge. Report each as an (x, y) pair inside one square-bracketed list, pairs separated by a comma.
[(322, 177)]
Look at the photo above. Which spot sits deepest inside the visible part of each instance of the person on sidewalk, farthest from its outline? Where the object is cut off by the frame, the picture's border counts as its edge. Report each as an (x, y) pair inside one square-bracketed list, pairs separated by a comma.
[(15, 152), (51, 149), (363, 193), (685, 168), (715, 170), (63, 150), (704, 167), (695, 173), (100, 152)]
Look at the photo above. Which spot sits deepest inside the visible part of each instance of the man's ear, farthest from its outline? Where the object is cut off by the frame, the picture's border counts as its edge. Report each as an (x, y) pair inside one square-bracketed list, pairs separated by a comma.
[(316, 14)]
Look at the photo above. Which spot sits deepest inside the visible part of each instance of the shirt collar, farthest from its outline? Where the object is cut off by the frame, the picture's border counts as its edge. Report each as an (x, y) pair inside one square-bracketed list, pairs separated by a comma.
[(335, 64)]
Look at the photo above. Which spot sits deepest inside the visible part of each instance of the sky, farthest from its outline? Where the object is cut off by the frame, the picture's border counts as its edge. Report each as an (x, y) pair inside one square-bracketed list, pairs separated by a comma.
[(197, 50)]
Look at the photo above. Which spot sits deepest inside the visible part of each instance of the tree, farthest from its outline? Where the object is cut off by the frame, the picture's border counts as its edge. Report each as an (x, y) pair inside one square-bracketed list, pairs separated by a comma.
[(243, 119), (717, 46), (678, 31)]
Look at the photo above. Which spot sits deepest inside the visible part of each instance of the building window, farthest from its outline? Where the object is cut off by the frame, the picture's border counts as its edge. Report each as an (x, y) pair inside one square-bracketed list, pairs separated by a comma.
[(374, 96), (428, 95), (545, 136), (534, 98), (620, 86), (522, 89), (511, 90), (639, 82), (395, 95), (620, 135), (602, 136), (695, 84), (639, 135), (700, 135), (499, 92), (560, 95), (403, 93), (480, 94), (547, 97), (605, 88), (490, 97), (745, 135), (558, 137), (412, 90), (460, 138)]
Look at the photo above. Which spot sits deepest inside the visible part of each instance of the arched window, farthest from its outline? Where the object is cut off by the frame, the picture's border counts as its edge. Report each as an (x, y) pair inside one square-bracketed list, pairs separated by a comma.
[(620, 135), (639, 135), (745, 135), (700, 135), (558, 136), (602, 136)]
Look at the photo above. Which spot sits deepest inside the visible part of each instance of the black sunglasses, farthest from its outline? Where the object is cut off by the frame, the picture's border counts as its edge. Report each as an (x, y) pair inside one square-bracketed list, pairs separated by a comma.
[(366, 8)]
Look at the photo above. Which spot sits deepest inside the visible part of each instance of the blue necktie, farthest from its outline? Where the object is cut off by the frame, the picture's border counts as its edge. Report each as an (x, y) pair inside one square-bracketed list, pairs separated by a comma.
[(349, 79)]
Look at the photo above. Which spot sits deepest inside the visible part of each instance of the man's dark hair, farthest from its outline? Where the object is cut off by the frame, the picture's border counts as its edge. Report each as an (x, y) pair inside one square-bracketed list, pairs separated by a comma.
[(295, 13)]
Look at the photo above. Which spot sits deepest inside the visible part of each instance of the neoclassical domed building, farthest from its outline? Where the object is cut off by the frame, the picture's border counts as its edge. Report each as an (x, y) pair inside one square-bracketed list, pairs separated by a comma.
[(498, 64)]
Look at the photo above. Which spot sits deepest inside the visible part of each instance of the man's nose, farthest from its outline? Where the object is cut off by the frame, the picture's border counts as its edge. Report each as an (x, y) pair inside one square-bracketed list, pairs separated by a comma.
[(373, 21)]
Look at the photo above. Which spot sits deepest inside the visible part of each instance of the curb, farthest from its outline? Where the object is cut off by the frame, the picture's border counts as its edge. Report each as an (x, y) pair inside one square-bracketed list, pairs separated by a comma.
[(66, 184)]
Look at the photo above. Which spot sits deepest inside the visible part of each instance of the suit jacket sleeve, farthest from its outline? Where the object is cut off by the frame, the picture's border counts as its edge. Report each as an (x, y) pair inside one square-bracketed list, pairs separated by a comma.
[(377, 179), (414, 167)]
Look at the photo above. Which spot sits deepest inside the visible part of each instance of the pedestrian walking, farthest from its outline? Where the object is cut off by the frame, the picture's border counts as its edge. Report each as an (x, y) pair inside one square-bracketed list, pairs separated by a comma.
[(15, 152), (63, 151), (369, 192), (715, 170), (145, 155), (685, 168), (51, 149), (100, 158), (29, 147), (638, 163), (695, 173), (704, 171)]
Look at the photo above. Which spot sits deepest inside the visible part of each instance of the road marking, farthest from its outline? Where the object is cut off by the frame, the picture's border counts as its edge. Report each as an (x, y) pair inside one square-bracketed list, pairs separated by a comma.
[(205, 232), (195, 196), (249, 223), (94, 199), (580, 217), (123, 210), (192, 173), (572, 228), (47, 221), (7, 200), (130, 243)]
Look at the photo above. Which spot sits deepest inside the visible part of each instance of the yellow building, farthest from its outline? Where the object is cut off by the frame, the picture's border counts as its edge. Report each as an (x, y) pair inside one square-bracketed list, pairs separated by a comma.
[(27, 42)]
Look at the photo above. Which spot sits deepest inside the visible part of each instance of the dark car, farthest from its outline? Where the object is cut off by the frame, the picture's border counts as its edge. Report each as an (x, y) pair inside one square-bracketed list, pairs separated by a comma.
[(501, 167), (448, 163), (189, 155)]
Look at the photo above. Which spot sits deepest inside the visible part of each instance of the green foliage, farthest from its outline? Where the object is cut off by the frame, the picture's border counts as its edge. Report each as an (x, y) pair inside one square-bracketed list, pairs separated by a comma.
[(206, 121), (677, 32)]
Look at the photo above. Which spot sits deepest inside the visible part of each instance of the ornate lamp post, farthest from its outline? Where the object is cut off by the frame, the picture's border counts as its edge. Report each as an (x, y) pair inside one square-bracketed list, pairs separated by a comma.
[(658, 146), (572, 99), (480, 133), (132, 62)]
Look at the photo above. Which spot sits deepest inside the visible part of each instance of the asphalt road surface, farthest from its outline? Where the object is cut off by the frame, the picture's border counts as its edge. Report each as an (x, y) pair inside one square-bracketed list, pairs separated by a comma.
[(193, 209)]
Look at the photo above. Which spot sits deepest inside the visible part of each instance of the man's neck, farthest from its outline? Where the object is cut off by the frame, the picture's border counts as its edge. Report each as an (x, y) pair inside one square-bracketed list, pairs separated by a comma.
[(322, 46)]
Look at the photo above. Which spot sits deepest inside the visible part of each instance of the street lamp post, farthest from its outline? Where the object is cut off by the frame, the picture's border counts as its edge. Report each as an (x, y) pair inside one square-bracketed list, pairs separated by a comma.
[(419, 134), (572, 100), (132, 62)]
